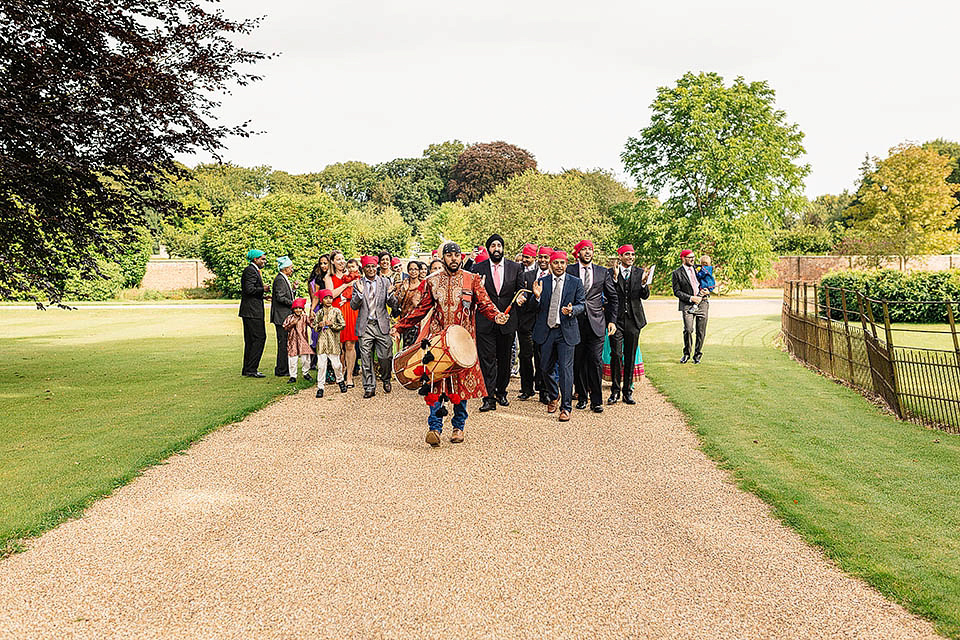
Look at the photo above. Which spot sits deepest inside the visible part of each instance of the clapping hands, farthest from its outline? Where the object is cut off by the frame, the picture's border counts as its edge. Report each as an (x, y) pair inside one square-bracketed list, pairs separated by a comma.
[(567, 310)]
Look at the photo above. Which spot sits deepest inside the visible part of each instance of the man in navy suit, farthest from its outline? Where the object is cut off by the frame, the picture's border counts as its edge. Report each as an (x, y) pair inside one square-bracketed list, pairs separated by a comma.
[(559, 299), (252, 294), (599, 321)]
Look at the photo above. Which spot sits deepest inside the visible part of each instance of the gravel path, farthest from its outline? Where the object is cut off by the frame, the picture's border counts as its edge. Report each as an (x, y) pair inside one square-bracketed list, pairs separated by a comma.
[(331, 518)]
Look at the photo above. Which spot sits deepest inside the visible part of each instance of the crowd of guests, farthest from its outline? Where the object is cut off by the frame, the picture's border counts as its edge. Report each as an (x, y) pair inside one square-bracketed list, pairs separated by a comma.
[(588, 328)]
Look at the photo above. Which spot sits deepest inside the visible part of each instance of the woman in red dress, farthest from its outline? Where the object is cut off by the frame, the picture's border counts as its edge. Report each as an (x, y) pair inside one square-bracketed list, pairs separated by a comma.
[(339, 281)]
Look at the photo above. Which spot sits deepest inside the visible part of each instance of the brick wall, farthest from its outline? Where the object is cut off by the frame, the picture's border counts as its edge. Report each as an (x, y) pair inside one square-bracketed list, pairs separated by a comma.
[(810, 268), (167, 275)]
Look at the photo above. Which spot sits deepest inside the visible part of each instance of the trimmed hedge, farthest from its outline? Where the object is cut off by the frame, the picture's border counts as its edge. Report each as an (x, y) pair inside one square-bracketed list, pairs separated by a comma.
[(897, 287)]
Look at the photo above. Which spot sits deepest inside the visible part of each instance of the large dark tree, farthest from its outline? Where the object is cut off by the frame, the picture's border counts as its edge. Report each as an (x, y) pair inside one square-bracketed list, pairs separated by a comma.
[(481, 167), (96, 97)]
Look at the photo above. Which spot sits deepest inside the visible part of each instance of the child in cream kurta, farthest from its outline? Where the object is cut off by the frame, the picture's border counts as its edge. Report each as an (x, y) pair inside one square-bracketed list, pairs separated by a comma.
[(328, 323)]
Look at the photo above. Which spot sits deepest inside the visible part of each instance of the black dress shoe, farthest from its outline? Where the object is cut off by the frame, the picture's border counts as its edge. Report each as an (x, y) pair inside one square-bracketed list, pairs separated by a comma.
[(489, 404), (628, 398), (684, 359), (387, 386), (524, 396), (369, 394), (696, 359), (307, 377), (543, 398), (614, 398), (502, 400), (291, 380), (581, 404), (597, 408), (319, 393), (255, 375)]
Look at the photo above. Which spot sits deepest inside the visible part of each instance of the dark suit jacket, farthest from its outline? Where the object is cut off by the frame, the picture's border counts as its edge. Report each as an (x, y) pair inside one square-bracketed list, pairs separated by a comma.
[(601, 300), (512, 282), (251, 293), (572, 294), (682, 288), (630, 317), (527, 315), (282, 299)]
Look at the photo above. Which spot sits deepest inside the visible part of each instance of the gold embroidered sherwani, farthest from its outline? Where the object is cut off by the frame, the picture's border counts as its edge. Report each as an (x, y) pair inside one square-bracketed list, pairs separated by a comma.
[(455, 299)]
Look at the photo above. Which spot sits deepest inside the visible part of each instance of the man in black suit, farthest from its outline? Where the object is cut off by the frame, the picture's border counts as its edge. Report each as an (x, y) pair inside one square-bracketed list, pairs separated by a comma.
[(602, 305), (529, 360), (252, 293), (693, 307), (503, 278), (630, 283), (558, 299), (279, 310)]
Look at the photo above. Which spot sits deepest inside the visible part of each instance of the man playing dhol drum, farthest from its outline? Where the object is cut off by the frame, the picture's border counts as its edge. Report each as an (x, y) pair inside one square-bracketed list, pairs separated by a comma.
[(455, 296)]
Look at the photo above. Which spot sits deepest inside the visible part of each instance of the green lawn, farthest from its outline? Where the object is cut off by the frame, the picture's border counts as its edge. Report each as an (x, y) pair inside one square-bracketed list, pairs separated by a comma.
[(878, 495), (90, 397)]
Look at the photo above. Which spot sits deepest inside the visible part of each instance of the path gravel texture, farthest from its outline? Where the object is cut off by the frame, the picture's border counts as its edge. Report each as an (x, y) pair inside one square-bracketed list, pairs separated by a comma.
[(333, 519)]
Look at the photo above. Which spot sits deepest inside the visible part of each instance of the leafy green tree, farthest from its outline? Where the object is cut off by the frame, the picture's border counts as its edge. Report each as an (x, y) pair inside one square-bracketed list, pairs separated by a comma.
[(907, 203), (951, 150), (482, 167), (347, 181), (802, 239), (544, 209), (97, 99), (385, 230), (448, 222), (719, 150)]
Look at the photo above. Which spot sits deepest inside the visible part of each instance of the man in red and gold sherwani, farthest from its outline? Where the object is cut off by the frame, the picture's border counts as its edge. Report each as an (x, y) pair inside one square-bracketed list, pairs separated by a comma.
[(455, 296)]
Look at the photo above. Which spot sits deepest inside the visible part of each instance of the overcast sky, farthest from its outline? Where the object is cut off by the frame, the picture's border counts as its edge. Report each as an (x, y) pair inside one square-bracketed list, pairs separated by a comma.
[(570, 81)]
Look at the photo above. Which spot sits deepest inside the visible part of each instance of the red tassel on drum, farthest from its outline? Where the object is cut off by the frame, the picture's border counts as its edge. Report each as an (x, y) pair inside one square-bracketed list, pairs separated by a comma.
[(432, 399), (419, 371), (455, 398)]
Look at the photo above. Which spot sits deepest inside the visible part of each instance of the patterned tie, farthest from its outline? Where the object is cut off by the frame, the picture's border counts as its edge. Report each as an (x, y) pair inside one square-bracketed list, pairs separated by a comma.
[(554, 313), (587, 277)]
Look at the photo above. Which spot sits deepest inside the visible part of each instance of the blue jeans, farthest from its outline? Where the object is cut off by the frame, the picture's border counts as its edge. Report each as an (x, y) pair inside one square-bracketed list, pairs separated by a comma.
[(458, 421)]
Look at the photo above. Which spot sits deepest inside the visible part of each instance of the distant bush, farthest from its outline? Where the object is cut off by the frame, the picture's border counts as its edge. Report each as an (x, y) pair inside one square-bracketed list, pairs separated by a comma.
[(897, 287), (182, 242), (133, 259), (91, 286), (802, 240)]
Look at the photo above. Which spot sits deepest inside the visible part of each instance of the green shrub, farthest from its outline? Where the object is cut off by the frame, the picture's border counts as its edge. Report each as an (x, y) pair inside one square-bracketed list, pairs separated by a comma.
[(904, 292), (284, 224), (375, 232), (91, 286), (134, 257), (182, 242), (802, 240)]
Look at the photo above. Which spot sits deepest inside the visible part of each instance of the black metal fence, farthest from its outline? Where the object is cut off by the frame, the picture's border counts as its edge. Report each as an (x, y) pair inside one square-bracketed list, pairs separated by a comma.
[(914, 369)]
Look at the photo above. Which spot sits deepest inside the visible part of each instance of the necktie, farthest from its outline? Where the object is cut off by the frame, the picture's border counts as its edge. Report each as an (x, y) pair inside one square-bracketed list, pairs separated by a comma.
[(497, 277), (587, 277), (625, 273), (554, 313)]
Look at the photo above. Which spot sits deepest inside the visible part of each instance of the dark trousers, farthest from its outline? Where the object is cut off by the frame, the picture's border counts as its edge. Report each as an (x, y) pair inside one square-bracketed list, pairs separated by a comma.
[(587, 361), (623, 356), (695, 323), (529, 363), (283, 367), (556, 354), (493, 350), (254, 339)]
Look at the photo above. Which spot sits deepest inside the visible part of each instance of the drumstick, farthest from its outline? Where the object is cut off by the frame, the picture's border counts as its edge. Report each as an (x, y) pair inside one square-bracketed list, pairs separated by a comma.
[(517, 295)]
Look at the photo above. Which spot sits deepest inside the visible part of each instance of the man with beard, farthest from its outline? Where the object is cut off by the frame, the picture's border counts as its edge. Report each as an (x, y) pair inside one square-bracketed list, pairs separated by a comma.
[(599, 320), (280, 308), (503, 279), (455, 296), (529, 355), (630, 282), (692, 306)]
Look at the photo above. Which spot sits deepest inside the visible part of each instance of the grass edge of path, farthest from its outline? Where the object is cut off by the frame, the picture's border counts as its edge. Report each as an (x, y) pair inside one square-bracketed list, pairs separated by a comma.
[(816, 538), (18, 543)]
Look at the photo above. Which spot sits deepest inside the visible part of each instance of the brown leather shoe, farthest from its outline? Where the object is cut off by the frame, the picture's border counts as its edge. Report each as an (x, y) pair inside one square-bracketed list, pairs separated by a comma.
[(553, 404), (564, 416), (457, 436), (433, 438)]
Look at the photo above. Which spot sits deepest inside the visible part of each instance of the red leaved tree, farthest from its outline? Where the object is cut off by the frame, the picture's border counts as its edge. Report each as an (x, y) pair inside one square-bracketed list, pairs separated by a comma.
[(481, 167)]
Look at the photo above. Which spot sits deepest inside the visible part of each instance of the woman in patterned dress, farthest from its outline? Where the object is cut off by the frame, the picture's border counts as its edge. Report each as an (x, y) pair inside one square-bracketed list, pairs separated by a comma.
[(409, 296)]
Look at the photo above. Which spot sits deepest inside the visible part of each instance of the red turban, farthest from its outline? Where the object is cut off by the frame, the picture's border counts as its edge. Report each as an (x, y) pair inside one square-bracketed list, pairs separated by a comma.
[(299, 303), (545, 251), (558, 255), (581, 245), (529, 250), (685, 253), (365, 260), (394, 262), (625, 248), (323, 293), (482, 255)]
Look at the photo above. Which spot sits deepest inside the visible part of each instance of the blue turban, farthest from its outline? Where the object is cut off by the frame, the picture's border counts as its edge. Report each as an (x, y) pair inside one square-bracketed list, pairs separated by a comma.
[(283, 262), (253, 254)]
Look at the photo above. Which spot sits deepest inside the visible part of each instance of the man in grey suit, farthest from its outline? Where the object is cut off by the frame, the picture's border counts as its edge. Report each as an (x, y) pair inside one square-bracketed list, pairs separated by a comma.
[(279, 310), (371, 295), (693, 307)]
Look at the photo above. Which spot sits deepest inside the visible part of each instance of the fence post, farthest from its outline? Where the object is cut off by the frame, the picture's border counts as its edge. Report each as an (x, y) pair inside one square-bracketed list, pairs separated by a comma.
[(894, 387), (805, 299), (873, 321), (953, 331), (826, 298), (846, 331)]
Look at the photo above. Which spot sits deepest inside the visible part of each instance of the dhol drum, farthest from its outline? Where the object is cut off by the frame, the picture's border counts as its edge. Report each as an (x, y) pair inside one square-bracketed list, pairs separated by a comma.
[(453, 350)]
